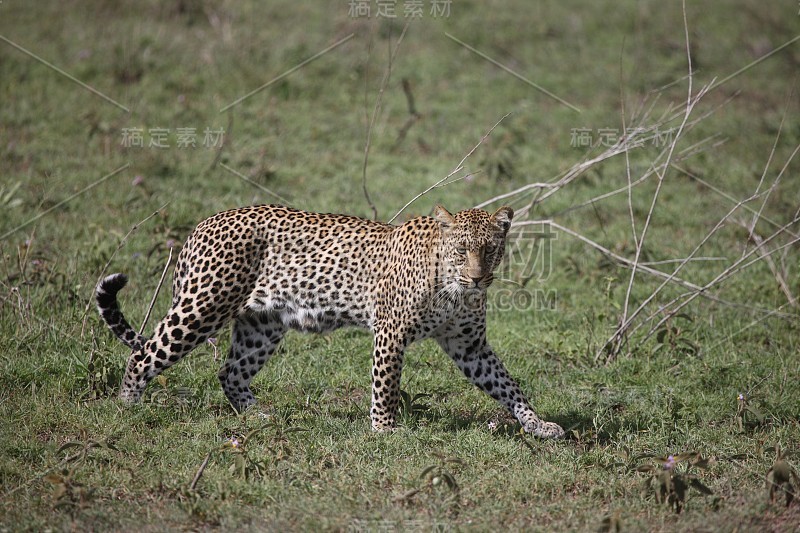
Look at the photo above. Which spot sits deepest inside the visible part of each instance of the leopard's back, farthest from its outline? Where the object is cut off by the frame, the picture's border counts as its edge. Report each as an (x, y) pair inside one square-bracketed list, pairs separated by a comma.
[(316, 271)]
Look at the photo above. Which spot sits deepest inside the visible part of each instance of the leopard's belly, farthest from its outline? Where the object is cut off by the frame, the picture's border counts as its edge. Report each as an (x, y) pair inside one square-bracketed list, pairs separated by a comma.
[(311, 313)]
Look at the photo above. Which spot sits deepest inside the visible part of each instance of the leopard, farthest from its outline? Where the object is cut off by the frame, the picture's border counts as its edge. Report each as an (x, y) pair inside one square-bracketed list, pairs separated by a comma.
[(272, 268)]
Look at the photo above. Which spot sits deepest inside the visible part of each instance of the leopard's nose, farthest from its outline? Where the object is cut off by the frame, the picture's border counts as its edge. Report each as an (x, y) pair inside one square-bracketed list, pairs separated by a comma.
[(476, 281)]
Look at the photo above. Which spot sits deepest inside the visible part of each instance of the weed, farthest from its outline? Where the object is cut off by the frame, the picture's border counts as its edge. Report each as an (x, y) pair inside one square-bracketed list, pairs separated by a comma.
[(780, 477), (672, 481), (437, 481), (411, 407)]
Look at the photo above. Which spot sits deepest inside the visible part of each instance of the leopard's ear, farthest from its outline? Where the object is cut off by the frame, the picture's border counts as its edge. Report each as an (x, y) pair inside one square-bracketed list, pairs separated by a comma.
[(503, 217), (443, 215)]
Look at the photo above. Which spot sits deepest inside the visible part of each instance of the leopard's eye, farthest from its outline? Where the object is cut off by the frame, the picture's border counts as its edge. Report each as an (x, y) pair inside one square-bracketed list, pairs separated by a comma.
[(490, 248), (461, 250)]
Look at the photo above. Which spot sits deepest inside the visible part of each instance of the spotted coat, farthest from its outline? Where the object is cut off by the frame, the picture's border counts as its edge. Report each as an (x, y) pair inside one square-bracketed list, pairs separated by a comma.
[(272, 268)]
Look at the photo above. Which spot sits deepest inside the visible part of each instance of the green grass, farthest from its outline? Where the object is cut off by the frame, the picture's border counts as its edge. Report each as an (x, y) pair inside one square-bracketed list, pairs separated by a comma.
[(313, 462)]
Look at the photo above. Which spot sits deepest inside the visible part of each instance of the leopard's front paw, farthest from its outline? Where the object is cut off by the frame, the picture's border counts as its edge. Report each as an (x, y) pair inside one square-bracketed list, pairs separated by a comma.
[(383, 423), (544, 430), (383, 428)]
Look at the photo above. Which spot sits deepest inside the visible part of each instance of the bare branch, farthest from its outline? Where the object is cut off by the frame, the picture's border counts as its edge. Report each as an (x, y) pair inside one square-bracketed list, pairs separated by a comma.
[(113, 254), (155, 294), (384, 82), (691, 101), (442, 182), (625, 262)]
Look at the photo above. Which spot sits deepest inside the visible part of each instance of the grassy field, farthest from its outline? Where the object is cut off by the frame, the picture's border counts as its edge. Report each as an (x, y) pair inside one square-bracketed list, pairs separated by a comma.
[(77, 193)]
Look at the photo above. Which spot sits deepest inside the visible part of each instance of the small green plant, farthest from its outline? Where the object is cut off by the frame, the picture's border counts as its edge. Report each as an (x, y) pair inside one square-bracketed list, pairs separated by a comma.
[(780, 476), (68, 494), (412, 406), (171, 397), (248, 464), (672, 482), (100, 372), (675, 337), (85, 446), (437, 480), (746, 413)]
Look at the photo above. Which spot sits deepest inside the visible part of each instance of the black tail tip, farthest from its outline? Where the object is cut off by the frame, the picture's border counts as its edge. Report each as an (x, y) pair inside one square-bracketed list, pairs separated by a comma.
[(112, 284)]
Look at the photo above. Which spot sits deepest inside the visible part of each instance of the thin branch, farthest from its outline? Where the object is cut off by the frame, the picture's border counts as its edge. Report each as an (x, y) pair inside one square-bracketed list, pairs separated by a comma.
[(456, 170), (113, 254), (779, 277), (625, 262), (198, 475), (413, 115), (636, 137), (728, 196), (690, 103), (682, 155), (738, 266), (384, 82), (626, 324), (750, 325), (627, 151), (155, 294), (681, 260)]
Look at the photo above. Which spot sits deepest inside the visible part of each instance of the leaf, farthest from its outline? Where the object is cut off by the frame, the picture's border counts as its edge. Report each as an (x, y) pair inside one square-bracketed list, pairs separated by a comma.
[(60, 491), (253, 433), (756, 413), (692, 347), (450, 480), (781, 472), (407, 495), (54, 479), (704, 463), (68, 445), (427, 471), (700, 487)]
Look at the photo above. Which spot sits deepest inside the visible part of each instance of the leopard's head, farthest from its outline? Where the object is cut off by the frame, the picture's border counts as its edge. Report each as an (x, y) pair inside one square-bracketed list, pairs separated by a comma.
[(473, 245)]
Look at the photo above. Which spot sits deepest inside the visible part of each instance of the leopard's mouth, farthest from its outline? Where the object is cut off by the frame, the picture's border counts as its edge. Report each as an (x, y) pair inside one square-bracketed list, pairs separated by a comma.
[(482, 283)]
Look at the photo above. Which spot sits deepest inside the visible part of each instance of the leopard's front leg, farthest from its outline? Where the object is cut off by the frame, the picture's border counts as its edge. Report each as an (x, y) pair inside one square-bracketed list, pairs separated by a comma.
[(467, 346), (387, 367)]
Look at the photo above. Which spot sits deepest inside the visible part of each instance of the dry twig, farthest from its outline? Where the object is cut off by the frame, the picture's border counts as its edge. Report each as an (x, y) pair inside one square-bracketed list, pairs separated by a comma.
[(113, 254), (444, 181), (386, 75)]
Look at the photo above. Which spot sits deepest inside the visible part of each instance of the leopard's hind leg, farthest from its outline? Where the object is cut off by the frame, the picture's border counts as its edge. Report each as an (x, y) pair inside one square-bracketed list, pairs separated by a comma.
[(182, 330), (255, 338)]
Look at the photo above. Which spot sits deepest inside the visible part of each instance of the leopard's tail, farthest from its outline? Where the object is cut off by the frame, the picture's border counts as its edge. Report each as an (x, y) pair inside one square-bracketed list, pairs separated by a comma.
[(107, 305)]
